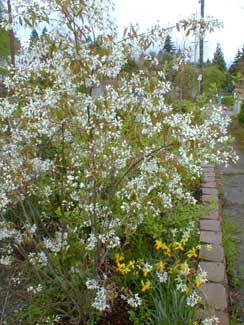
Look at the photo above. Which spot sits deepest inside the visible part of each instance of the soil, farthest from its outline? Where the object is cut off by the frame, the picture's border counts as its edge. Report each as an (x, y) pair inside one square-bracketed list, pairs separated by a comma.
[(118, 315)]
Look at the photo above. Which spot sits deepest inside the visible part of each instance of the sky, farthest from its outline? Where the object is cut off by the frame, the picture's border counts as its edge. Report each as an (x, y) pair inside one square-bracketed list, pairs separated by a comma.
[(147, 12), (168, 12)]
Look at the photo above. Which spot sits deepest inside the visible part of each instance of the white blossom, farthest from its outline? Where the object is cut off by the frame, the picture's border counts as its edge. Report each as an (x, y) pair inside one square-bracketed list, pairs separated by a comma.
[(134, 301), (38, 258), (193, 299), (100, 301), (6, 260), (34, 290), (92, 284), (210, 321), (163, 277)]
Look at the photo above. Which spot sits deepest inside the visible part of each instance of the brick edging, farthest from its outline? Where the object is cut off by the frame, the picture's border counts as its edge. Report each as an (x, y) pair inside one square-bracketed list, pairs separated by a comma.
[(215, 291)]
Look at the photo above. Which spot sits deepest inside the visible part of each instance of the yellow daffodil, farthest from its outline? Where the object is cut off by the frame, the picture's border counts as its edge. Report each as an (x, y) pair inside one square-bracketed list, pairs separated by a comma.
[(159, 244), (160, 266), (179, 246), (198, 282), (201, 278), (168, 250), (145, 272), (174, 269), (192, 253), (122, 268), (118, 258), (132, 265), (145, 286)]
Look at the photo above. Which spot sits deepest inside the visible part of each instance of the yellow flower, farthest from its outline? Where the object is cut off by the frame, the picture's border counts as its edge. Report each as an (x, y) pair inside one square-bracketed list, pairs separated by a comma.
[(179, 246), (195, 323), (201, 278), (198, 282), (168, 250), (159, 244), (118, 258), (174, 269), (122, 268), (160, 266), (131, 265), (192, 253), (145, 286), (145, 272)]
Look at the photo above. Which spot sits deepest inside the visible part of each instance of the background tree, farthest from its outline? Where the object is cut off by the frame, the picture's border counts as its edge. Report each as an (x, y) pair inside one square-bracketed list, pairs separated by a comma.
[(169, 45), (186, 81), (238, 63), (218, 58), (213, 80)]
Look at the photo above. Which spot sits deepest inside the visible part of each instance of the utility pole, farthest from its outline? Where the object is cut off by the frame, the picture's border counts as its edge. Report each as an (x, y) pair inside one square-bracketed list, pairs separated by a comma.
[(201, 44), (11, 35)]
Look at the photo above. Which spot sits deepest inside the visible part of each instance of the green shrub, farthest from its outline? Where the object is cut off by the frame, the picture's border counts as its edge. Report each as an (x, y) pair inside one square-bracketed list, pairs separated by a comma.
[(184, 106), (241, 114), (228, 100)]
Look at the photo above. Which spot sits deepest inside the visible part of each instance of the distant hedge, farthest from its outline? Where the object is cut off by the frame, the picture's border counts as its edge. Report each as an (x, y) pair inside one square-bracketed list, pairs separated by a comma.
[(228, 100), (241, 114)]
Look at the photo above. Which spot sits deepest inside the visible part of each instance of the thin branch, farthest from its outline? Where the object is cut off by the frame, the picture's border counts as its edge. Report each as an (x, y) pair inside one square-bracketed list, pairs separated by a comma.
[(133, 165)]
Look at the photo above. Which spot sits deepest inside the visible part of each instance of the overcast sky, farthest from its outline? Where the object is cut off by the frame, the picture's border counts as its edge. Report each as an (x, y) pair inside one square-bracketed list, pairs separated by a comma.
[(148, 12), (168, 12)]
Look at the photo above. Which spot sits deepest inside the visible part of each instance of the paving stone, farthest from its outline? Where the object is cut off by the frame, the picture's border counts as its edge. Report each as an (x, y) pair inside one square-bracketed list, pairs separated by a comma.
[(211, 237), (216, 254), (215, 271), (210, 191), (208, 169), (214, 295), (209, 185), (212, 225), (209, 173), (207, 165), (207, 179), (209, 198), (213, 215)]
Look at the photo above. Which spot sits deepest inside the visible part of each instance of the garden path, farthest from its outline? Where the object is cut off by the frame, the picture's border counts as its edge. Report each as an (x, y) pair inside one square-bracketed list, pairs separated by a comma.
[(233, 210)]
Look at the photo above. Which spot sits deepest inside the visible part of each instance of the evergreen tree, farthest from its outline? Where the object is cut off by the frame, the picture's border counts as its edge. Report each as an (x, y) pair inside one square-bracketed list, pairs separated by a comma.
[(169, 45), (218, 58), (34, 37), (238, 63)]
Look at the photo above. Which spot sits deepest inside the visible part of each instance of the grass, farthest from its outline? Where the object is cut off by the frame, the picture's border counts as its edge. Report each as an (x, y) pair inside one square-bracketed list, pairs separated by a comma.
[(234, 321), (237, 130), (231, 249)]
